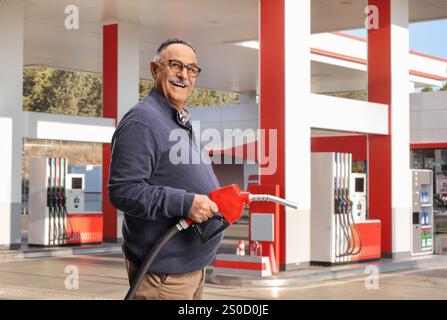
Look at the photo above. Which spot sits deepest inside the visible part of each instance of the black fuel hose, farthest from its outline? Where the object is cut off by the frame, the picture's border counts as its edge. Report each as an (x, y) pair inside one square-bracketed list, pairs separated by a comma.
[(148, 261)]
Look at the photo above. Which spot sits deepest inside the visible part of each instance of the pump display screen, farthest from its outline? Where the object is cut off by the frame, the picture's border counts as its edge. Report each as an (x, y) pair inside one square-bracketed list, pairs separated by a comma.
[(359, 185), (76, 183)]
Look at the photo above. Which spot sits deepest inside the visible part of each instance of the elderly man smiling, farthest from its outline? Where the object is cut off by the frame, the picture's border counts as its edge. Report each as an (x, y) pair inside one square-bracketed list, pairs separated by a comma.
[(153, 192)]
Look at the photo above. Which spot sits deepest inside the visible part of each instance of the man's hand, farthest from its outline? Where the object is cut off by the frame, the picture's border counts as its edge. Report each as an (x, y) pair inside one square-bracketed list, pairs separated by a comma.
[(202, 208)]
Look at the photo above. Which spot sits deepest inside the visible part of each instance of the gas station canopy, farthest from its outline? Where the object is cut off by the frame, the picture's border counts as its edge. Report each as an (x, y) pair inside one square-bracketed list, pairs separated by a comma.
[(214, 27)]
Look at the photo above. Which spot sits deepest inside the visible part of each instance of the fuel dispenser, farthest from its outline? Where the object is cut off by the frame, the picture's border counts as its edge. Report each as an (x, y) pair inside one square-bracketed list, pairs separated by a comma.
[(422, 208), (48, 217), (75, 192), (56, 206), (340, 231), (357, 194), (85, 215)]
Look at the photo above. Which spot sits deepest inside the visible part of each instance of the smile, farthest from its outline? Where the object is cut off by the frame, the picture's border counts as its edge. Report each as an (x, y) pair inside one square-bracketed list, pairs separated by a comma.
[(177, 84)]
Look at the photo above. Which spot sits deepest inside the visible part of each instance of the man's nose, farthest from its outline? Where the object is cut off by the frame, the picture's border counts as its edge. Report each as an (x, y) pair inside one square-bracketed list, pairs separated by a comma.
[(183, 73)]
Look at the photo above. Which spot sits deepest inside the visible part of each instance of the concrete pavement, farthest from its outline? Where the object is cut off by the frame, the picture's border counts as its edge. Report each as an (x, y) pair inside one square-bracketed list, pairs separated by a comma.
[(103, 276), (50, 273)]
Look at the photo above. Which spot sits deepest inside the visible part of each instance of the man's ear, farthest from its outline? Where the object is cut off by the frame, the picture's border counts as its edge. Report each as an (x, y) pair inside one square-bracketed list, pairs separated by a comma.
[(153, 67)]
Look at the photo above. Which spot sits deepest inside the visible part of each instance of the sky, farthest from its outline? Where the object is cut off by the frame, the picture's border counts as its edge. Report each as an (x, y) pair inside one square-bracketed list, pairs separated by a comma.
[(425, 37)]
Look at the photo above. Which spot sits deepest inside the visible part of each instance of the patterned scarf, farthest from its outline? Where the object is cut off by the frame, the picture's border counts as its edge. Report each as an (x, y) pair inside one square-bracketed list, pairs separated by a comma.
[(184, 116)]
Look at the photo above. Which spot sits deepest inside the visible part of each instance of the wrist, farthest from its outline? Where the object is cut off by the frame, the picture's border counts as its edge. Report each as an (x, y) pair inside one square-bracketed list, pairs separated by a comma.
[(188, 200)]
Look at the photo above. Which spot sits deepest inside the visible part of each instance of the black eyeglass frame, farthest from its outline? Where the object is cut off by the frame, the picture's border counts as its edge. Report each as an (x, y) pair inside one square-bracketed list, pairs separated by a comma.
[(183, 67)]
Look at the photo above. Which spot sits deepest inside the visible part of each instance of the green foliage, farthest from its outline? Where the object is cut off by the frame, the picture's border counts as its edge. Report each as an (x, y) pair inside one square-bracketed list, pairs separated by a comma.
[(199, 97), (63, 92), (444, 87), (145, 87), (80, 93), (207, 97)]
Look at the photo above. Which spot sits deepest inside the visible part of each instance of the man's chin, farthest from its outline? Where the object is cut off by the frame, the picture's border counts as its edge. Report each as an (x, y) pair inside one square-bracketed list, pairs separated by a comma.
[(178, 102)]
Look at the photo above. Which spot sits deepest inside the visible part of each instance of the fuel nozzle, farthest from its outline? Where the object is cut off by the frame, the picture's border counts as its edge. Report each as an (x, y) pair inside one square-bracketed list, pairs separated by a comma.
[(231, 202)]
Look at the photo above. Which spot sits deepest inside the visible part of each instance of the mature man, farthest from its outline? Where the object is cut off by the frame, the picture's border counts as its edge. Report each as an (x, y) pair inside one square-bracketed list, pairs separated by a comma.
[(153, 191)]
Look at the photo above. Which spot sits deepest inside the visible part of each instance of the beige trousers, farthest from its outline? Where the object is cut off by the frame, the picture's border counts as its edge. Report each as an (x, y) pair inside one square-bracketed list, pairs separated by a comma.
[(186, 286)]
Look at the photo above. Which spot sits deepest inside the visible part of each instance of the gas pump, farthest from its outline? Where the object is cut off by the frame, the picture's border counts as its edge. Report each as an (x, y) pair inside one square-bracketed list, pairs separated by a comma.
[(48, 203), (75, 192), (357, 193), (340, 232)]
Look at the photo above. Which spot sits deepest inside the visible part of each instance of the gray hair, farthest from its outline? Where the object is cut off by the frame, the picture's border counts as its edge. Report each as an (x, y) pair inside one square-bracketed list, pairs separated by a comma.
[(167, 43)]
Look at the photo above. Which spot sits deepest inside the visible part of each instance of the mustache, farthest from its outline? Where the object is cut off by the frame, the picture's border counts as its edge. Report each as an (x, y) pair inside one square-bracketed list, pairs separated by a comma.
[(184, 82)]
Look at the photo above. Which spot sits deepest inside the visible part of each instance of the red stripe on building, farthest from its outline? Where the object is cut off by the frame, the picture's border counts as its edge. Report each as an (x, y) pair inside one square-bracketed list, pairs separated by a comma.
[(109, 110), (337, 56), (379, 147), (350, 36), (427, 75), (356, 145), (110, 71), (427, 56), (428, 145), (272, 92)]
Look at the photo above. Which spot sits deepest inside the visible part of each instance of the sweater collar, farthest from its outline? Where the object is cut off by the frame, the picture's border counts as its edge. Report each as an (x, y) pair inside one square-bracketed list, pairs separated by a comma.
[(165, 107)]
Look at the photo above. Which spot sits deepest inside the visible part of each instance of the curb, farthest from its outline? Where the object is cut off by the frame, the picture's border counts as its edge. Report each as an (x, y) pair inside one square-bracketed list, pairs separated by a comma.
[(60, 252), (328, 273)]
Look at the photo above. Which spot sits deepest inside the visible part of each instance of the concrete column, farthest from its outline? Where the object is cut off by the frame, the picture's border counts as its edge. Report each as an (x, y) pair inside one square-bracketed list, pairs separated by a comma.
[(11, 124), (400, 124), (284, 97), (248, 97), (297, 140), (389, 174), (121, 61)]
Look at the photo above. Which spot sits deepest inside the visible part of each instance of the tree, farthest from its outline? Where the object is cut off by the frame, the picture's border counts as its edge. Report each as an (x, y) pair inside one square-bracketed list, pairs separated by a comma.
[(60, 91), (80, 93), (199, 97), (427, 89)]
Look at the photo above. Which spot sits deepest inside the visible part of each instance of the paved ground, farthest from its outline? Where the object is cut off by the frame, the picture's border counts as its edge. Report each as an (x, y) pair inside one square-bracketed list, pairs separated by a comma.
[(102, 276)]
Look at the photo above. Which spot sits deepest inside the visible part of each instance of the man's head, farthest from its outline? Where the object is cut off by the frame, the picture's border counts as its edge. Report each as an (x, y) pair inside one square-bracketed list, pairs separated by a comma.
[(174, 69)]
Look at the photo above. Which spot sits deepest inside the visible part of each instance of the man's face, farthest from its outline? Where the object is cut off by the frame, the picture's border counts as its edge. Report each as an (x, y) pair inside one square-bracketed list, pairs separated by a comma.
[(176, 86)]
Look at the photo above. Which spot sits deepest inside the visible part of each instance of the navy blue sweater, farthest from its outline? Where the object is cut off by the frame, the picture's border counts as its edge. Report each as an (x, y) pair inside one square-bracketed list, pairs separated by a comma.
[(153, 191)]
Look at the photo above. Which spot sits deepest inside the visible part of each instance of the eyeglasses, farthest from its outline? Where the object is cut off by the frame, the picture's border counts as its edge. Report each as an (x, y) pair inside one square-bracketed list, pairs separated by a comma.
[(177, 66)]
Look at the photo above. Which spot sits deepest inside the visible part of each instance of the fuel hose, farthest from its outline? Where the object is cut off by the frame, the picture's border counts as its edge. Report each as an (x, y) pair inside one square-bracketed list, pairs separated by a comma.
[(149, 259)]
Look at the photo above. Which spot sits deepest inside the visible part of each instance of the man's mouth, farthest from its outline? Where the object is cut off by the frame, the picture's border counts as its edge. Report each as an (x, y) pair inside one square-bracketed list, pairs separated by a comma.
[(178, 84)]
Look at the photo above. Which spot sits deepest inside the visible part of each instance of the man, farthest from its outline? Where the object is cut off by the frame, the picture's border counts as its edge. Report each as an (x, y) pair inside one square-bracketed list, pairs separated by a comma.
[(153, 191)]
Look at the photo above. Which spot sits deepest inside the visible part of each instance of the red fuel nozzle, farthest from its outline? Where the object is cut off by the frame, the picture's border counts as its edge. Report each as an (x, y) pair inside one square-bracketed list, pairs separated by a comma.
[(231, 202)]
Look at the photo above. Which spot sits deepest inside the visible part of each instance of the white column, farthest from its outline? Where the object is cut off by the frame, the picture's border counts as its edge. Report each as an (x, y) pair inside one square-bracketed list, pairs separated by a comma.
[(128, 75), (128, 67), (297, 130), (11, 123), (400, 129)]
